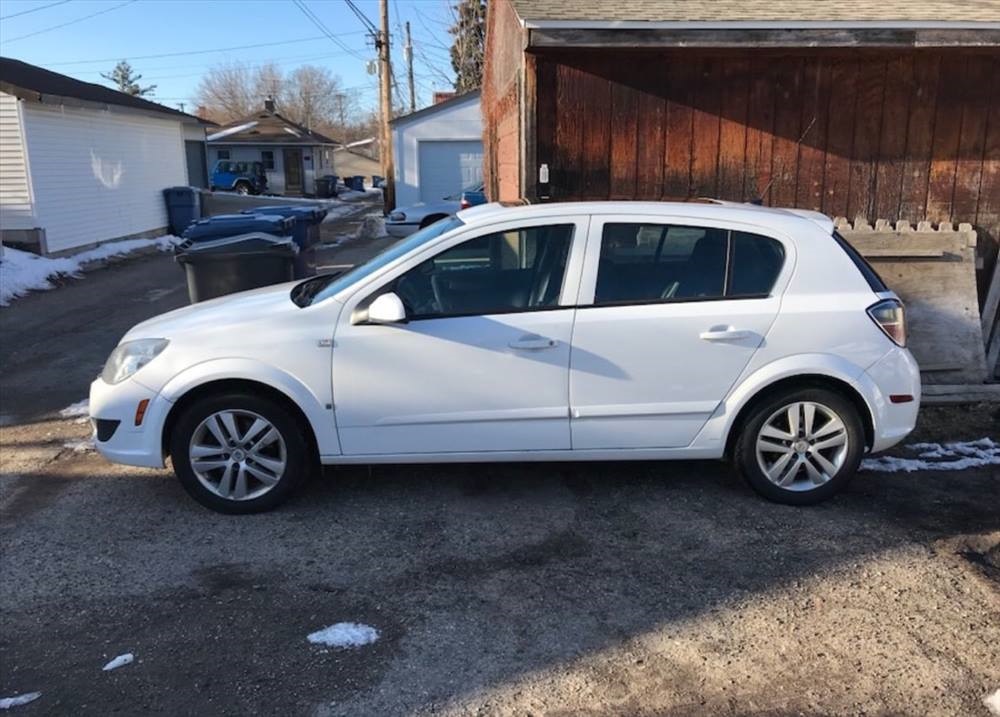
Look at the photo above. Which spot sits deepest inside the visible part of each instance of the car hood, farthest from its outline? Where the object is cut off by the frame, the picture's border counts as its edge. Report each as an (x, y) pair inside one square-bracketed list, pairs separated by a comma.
[(218, 315)]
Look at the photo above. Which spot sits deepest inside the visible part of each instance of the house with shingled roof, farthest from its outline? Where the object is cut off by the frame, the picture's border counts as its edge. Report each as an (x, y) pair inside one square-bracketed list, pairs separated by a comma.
[(293, 155)]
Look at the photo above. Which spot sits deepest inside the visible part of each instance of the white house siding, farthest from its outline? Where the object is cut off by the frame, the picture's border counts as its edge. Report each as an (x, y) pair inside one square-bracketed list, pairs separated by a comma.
[(16, 210), (461, 121), (99, 174)]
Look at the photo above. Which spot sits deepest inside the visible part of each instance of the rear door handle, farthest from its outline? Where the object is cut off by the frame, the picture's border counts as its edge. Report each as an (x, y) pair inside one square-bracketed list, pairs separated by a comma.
[(724, 334), (532, 343)]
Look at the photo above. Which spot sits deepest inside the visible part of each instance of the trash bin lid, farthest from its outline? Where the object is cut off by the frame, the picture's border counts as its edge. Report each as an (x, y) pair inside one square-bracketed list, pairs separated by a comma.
[(225, 225), (301, 212), (248, 243)]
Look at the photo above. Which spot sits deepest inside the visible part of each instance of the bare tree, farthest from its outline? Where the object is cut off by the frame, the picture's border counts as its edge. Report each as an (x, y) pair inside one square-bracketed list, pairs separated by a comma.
[(311, 96), (468, 47)]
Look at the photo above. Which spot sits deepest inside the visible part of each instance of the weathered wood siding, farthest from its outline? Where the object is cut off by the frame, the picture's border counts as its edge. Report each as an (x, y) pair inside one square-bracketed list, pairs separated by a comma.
[(911, 134)]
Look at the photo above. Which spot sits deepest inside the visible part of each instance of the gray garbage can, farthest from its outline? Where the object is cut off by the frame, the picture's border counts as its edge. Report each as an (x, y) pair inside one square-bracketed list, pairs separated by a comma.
[(217, 267), (306, 220), (183, 207)]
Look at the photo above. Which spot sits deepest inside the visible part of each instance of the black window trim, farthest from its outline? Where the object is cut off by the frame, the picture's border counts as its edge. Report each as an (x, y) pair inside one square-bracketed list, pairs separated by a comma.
[(727, 278)]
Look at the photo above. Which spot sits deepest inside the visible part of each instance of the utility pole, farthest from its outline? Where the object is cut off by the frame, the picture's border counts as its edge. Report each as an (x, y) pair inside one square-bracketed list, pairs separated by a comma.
[(408, 50), (385, 102)]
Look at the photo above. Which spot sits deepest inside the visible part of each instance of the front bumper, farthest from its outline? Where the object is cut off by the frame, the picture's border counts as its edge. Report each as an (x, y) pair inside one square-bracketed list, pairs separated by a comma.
[(895, 374), (129, 444)]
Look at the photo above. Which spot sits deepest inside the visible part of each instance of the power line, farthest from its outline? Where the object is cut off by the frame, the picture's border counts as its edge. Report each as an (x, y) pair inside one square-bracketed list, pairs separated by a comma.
[(197, 52), (361, 16), (70, 22), (34, 9), (323, 28), (281, 60)]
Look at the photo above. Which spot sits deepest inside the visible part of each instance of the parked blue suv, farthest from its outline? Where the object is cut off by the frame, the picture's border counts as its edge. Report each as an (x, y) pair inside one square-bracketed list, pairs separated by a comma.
[(239, 177)]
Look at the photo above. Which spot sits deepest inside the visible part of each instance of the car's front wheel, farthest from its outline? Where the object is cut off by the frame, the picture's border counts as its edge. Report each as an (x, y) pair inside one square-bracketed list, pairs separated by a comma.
[(801, 446), (242, 188), (237, 453)]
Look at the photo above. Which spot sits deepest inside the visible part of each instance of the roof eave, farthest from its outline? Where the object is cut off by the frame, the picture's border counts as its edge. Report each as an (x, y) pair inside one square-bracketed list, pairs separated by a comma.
[(757, 35), (31, 95)]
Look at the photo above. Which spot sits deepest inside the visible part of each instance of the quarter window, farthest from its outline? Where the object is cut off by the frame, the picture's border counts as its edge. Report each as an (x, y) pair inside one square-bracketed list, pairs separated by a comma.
[(642, 263), (503, 272)]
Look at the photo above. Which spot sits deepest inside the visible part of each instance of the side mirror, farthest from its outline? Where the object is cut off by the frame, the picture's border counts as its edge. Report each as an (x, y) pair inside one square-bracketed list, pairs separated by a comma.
[(387, 309)]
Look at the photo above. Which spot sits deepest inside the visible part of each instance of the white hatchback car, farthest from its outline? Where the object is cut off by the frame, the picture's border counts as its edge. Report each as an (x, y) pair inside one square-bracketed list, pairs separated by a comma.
[(583, 331)]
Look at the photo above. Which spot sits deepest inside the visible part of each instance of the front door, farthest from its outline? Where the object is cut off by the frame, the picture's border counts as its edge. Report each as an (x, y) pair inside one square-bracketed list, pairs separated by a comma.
[(677, 313), (482, 362), (293, 171)]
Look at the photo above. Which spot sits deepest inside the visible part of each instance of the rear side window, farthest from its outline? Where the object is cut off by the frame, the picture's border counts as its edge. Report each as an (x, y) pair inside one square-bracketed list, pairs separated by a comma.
[(871, 276), (643, 263)]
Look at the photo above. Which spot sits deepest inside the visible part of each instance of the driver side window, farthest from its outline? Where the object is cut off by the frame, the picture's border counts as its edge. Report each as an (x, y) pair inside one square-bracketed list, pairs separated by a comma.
[(509, 271)]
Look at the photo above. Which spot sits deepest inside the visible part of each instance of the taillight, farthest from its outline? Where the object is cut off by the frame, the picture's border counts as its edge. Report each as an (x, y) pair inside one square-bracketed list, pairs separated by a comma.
[(889, 316), (464, 204)]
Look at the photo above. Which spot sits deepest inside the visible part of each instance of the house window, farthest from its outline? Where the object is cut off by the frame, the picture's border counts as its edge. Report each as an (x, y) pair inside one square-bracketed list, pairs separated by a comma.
[(223, 154), (267, 157)]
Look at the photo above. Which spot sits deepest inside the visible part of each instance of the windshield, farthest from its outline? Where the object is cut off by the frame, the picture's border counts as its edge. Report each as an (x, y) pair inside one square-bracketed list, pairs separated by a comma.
[(323, 287)]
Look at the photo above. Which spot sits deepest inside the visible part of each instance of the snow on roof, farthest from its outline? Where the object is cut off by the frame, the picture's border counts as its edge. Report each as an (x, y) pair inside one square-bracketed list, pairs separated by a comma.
[(231, 130)]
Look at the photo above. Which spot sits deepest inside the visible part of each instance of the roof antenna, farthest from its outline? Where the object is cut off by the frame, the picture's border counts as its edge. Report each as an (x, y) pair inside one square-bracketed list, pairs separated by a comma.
[(759, 201)]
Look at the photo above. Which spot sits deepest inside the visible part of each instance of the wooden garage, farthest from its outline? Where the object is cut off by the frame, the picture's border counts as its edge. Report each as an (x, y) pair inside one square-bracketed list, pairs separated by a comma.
[(877, 110)]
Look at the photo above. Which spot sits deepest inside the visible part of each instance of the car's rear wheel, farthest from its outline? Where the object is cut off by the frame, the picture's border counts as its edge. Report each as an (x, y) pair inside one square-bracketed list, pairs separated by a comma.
[(237, 453), (801, 446), (242, 188)]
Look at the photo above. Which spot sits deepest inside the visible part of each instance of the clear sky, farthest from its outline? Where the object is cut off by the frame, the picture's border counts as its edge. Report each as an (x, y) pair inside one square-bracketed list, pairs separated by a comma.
[(172, 42)]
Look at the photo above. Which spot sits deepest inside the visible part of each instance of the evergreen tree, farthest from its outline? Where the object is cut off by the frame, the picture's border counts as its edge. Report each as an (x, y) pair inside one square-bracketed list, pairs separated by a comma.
[(468, 47), (126, 81)]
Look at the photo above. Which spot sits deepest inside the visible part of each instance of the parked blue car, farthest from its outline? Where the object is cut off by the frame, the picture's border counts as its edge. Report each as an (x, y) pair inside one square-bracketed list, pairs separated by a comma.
[(239, 177)]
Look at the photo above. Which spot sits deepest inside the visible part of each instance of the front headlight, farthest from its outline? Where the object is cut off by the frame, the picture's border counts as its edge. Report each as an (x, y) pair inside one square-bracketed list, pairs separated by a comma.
[(131, 356), (397, 217)]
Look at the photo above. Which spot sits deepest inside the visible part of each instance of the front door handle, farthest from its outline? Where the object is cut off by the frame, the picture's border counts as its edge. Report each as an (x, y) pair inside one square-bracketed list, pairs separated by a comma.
[(718, 333), (532, 343)]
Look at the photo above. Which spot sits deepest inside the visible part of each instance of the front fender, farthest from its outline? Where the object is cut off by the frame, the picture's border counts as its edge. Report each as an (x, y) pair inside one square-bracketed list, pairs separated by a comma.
[(320, 417), (714, 433)]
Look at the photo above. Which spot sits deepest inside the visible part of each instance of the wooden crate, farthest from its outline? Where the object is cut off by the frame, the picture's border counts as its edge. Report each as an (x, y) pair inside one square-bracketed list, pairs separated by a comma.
[(933, 269)]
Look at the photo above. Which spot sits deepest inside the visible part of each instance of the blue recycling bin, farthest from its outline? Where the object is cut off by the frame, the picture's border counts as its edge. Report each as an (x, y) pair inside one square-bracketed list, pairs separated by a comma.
[(183, 207), (306, 220), (357, 183), (227, 225)]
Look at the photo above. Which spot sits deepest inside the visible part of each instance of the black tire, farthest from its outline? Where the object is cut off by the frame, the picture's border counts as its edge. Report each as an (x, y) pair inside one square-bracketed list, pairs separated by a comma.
[(243, 188), (745, 454), (297, 454), (431, 219)]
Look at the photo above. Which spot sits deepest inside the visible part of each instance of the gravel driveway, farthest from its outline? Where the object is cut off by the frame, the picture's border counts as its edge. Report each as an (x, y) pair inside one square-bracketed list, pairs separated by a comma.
[(559, 589)]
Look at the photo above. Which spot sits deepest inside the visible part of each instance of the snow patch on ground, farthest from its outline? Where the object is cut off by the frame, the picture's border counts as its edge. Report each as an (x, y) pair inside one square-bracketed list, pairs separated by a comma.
[(119, 661), (84, 445), (7, 702), (954, 456), (371, 227), (339, 211), (22, 271), (80, 409), (992, 703), (344, 634)]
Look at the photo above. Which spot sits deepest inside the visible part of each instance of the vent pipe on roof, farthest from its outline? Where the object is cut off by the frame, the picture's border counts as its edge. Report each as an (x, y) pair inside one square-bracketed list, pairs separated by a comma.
[(269, 104)]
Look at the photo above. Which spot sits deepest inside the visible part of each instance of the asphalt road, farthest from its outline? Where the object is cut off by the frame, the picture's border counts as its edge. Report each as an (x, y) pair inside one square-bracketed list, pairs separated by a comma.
[(593, 589)]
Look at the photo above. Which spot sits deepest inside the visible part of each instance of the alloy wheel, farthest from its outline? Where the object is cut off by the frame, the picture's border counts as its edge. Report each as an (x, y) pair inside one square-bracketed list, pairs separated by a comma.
[(237, 454), (802, 446)]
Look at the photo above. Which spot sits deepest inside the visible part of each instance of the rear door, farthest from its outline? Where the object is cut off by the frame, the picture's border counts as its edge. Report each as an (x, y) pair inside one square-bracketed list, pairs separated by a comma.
[(670, 314)]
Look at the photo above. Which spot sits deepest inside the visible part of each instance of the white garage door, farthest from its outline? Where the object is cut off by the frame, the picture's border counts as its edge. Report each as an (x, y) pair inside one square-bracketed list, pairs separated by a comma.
[(447, 167)]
